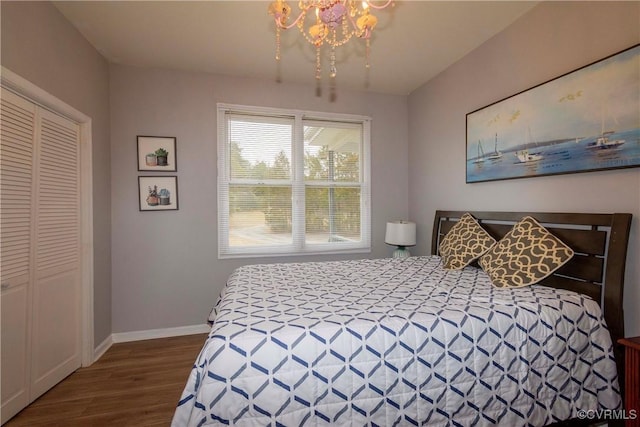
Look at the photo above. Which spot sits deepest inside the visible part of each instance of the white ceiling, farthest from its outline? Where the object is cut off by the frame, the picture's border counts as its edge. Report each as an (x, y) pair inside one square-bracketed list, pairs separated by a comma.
[(413, 42)]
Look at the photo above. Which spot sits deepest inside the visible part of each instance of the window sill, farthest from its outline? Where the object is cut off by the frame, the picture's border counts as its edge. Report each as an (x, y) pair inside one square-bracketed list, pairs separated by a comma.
[(310, 252)]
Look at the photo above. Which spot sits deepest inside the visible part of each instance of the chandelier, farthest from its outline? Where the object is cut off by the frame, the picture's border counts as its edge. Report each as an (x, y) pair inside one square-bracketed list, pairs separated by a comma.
[(331, 22)]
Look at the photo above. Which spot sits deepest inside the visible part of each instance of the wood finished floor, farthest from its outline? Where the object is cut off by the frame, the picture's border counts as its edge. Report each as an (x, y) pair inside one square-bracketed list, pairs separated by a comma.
[(133, 384)]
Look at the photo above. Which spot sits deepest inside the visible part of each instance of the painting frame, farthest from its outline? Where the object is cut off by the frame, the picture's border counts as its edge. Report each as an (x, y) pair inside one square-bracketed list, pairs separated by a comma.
[(157, 153), (158, 193), (586, 120)]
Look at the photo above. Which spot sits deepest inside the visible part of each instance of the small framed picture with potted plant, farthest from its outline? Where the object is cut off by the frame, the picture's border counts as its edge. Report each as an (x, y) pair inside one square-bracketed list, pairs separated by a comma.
[(157, 153), (158, 193)]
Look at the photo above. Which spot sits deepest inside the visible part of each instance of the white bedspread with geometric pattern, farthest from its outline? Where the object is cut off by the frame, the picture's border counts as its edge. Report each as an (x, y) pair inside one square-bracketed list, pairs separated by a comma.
[(390, 342)]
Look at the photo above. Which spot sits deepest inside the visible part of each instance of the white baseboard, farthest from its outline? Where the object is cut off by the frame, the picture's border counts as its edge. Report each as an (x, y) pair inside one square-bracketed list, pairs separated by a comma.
[(160, 333), (102, 348), (149, 334)]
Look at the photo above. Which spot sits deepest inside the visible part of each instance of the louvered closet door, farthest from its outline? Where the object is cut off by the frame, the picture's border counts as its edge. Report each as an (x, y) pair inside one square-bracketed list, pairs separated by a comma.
[(40, 251), (56, 331), (16, 159)]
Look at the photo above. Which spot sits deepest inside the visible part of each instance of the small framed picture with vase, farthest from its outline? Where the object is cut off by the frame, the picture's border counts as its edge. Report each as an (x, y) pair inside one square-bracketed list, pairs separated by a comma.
[(158, 193)]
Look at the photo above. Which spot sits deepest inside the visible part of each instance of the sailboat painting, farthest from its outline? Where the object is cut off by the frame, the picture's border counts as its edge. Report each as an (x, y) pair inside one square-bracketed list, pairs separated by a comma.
[(585, 120)]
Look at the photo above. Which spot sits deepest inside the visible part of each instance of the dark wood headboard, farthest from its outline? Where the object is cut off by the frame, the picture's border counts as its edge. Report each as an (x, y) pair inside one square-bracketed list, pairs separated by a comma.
[(597, 268)]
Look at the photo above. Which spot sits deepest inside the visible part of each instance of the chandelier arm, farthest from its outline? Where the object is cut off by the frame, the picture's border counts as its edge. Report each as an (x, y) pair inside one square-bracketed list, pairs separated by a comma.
[(286, 27), (380, 7), (356, 31)]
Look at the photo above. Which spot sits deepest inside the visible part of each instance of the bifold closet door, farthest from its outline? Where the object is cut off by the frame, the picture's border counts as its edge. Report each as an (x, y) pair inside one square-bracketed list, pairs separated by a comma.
[(56, 328), (17, 133), (40, 218)]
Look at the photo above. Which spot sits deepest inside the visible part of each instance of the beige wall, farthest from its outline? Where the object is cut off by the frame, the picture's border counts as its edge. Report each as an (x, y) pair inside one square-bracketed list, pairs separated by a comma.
[(552, 39), (166, 272), (40, 45)]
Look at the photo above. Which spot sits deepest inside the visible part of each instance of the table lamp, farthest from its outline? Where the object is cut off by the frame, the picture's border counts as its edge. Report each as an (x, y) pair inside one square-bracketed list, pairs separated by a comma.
[(401, 234)]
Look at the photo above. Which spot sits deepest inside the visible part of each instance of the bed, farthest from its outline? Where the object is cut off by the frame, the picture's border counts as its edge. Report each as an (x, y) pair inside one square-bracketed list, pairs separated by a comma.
[(405, 342)]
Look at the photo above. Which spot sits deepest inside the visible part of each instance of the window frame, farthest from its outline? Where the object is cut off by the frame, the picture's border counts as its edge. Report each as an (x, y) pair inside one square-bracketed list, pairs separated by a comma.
[(297, 183)]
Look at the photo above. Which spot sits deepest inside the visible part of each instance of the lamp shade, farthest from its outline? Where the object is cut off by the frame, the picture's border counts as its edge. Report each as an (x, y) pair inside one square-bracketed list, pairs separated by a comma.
[(401, 233)]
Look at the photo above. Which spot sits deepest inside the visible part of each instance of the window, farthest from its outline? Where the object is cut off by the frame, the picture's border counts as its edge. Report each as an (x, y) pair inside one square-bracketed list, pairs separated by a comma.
[(292, 182)]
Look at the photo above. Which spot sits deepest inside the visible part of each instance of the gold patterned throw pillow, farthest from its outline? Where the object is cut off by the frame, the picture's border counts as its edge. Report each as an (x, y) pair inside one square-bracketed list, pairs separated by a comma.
[(527, 254), (464, 243)]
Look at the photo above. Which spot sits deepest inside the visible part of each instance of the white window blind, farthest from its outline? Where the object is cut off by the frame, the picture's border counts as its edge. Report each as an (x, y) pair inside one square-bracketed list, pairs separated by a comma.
[(291, 182)]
